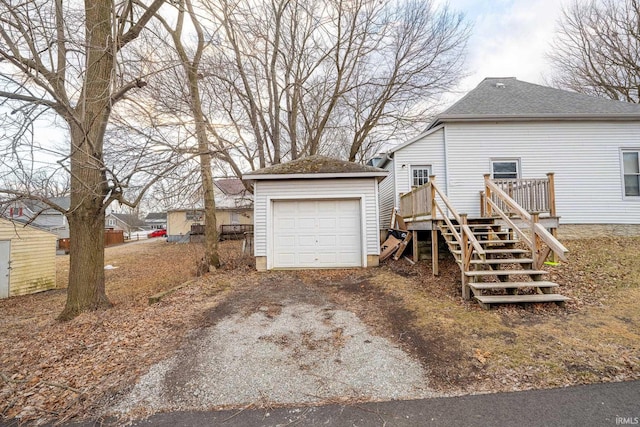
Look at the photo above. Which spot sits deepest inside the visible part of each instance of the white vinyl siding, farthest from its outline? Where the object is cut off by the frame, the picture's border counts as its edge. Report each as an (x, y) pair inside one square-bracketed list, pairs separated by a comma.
[(387, 196), (426, 151), (32, 258), (585, 157), (363, 189)]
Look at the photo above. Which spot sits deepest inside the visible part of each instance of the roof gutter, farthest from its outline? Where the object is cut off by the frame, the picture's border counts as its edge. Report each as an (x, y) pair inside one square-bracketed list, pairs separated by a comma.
[(255, 177)]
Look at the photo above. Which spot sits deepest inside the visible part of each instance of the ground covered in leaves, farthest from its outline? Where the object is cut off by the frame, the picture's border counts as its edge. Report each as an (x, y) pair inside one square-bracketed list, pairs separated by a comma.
[(60, 371)]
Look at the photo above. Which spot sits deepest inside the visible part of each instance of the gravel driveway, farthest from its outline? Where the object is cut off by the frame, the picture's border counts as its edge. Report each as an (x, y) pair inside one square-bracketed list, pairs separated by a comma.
[(278, 345)]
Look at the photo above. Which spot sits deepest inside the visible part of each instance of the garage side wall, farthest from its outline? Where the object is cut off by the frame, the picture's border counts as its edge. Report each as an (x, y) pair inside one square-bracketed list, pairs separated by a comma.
[(33, 258), (267, 190)]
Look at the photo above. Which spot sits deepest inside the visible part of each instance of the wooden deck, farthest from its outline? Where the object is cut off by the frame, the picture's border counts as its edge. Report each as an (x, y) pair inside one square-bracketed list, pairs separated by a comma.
[(512, 238)]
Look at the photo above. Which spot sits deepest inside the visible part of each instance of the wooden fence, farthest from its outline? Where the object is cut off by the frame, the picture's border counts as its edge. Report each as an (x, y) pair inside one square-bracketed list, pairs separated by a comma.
[(111, 237)]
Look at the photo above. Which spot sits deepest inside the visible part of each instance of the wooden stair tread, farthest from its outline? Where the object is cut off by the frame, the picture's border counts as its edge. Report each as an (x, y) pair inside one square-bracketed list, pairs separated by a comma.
[(497, 251), (506, 251), (487, 242), (502, 261), (482, 273), (512, 285), (514, 299)]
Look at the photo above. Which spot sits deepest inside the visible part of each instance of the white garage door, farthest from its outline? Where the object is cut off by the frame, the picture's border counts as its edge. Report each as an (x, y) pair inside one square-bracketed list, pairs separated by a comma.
[(317, 234)]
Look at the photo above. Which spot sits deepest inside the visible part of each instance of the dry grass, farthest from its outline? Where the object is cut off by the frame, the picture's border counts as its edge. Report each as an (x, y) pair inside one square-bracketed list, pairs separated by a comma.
[(51, 370), (595, 338)]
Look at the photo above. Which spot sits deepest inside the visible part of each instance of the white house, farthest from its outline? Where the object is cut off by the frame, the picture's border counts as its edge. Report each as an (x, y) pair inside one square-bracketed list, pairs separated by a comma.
[(234, 210), (316, 212), (513, 129)]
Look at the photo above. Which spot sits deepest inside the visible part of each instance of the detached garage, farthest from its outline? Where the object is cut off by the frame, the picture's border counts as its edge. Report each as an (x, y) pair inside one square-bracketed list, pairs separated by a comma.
[(27, 259), (316, 212)]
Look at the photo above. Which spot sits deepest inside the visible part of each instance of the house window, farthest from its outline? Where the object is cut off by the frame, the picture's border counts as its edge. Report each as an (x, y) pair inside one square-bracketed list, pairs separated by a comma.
[(112, 222), (420, 175), (631, 168), (235, 218), (505, 169)]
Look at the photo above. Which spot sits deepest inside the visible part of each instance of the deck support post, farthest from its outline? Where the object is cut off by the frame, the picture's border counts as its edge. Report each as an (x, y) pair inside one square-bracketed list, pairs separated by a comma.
[(464, 253), (434, 251), (535, 240), (416, 249), (552, 208)]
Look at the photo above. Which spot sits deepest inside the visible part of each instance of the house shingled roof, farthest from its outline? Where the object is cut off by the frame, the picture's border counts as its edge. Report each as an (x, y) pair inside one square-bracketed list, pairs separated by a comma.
[(316, 165), (231, 186), (129, 219), (509, 98), (156, 215)]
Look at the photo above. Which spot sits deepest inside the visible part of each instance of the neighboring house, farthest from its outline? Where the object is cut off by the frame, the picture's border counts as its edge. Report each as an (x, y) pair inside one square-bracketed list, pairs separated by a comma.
[(316, 212), (128, 223), (512, 129), (41, 215), (156, 220), (27, 259), (234, 206)]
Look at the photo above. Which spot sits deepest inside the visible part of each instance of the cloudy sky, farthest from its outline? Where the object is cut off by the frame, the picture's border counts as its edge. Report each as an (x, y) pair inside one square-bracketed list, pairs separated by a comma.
[(509, 38)]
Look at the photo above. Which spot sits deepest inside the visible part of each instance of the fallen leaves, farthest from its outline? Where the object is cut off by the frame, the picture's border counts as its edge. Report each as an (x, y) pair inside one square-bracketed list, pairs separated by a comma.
[(60, 371), (481, 356)]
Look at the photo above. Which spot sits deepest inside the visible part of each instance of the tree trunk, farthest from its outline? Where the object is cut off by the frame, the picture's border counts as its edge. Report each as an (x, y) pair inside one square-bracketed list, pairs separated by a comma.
[(86, 290), (211, 258)]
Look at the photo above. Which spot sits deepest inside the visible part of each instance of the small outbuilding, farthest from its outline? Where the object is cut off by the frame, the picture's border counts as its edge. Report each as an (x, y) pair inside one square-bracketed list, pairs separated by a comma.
[(27, 259), (316, 212)]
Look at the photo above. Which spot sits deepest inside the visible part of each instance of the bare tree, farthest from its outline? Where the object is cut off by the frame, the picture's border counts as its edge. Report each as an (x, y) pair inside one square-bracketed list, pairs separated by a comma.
[(292, 78), (597, 49), (63, 61), (190, 55)]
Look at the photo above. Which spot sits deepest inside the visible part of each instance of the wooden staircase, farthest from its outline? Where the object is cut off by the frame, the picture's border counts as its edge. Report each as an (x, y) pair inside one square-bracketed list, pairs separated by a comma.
[(503, 271)]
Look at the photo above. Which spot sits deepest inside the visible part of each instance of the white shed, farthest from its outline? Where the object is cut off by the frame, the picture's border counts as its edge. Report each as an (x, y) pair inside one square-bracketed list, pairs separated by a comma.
[(27, 259), (316, 212)]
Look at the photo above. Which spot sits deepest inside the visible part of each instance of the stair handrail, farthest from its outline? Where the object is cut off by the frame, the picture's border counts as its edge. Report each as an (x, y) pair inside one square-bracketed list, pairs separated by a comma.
[(537, 230), (467, 233)]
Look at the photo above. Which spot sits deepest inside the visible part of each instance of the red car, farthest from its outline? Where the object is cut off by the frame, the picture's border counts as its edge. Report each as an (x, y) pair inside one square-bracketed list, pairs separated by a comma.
[(158, 233)]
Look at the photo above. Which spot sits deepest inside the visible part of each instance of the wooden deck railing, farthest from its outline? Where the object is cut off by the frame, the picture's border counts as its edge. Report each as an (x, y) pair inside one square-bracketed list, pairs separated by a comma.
[(499, 203), (416, 202), (533, 195)]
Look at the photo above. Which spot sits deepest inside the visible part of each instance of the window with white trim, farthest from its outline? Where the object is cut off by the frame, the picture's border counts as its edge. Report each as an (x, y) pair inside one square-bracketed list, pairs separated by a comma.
[(420, 175), (505, 168), (631, 172), (112, 222)]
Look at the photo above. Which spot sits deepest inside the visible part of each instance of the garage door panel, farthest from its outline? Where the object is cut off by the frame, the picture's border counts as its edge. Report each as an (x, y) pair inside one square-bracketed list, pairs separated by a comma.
[(304, 258), (328, 259), (284, 223), (306, 223), (327, 224), (307, 241), (317, 233), (287, 241), (305, 207), (327, 241), (347, 223)]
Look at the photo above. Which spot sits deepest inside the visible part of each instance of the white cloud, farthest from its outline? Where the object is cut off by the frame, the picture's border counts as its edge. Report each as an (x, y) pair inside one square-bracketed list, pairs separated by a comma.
[(510, 38)]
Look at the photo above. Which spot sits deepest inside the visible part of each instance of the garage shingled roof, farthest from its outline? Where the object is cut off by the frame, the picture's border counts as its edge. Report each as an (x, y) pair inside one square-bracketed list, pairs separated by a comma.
[(315, 167)]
